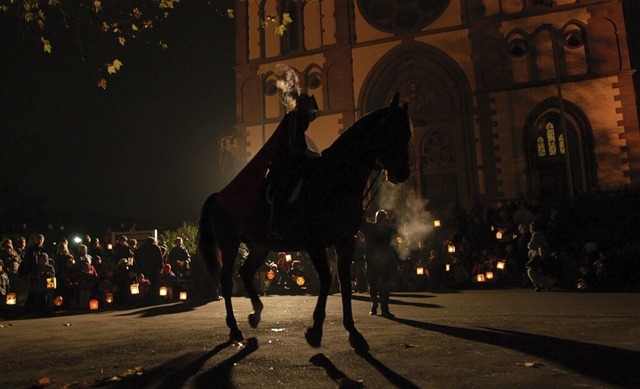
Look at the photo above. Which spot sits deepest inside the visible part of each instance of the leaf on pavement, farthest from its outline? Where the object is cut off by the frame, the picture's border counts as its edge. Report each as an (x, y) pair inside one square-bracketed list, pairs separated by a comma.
[(42, 382)]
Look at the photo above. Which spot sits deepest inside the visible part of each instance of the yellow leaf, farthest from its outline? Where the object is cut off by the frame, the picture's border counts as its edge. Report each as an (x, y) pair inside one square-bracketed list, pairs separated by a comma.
[(122, 40), (102, 83), (164, 4), (230, 13), (281, 29), (41, 24), (163, 45), (42, 382), (46, 45), (137, 13), (114, 67), (105, 27), (286, 18), (97, 6), (54, 2), (134, 27), (29, 16), (4, 8)]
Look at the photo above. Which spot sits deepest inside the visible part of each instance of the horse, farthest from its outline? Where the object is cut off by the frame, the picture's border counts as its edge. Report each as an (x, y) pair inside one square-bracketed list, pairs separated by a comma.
[(328, 212)]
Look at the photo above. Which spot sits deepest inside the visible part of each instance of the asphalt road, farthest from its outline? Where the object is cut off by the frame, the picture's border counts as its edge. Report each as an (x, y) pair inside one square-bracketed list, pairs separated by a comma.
[(468, 339)]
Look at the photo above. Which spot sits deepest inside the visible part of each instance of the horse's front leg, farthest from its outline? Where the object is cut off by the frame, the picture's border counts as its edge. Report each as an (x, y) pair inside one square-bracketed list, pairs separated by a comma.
[(247, 273), (319, 258), (226, 283), (344, 250)]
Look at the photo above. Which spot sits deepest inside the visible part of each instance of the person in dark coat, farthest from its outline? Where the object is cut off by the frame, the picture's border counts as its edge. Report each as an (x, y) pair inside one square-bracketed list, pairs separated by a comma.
[(149, 262)]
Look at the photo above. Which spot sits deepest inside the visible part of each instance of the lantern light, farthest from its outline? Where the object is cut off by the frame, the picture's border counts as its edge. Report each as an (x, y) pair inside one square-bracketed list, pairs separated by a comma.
[(51, 283), (109, 246), (451, 248), (419, 271), (77, 240), (489, 275), (183, 295), (480, 277), (108, 298), (57, 301), (499, 235), (271, 275), (500, 265), (163, 291), (300, 281), (436, 223), (12, 299), (93, 304), (447, 267), (135, 288)]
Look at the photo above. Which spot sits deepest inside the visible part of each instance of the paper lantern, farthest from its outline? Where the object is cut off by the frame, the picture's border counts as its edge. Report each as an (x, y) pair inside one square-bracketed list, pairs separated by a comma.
[(500, 265), (489, 275), (108, 298), (93, 304), (447, 267), (451, 248), (12, 299), (163, 291), (51, 283), (57, 301), (419, 271), (436, 223), (300, 281), (183, 295), (135, 289), (480, 277), (499, 235), (271, 275)]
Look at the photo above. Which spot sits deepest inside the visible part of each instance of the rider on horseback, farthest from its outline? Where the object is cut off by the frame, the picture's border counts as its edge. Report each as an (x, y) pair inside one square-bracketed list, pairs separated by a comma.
[(291, 155)]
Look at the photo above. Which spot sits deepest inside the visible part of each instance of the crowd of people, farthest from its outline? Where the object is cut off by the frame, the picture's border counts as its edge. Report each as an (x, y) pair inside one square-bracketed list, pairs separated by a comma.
[(34, 280), (590, 243)]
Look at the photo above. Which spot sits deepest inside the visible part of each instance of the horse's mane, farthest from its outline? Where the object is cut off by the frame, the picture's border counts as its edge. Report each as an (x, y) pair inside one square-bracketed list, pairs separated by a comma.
[(346, 141)]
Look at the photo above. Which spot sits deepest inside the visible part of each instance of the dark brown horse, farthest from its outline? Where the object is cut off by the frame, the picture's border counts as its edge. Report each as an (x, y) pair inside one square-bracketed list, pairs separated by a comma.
[(328, 212)]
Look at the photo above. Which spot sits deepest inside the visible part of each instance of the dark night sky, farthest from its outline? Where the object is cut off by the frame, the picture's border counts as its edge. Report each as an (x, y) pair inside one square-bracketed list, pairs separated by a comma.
[(144, 150)]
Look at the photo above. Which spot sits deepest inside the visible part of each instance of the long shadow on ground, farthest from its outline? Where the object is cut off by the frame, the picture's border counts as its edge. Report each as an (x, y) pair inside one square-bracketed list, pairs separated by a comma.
[(399, 302), (613, 365), (167, 309)]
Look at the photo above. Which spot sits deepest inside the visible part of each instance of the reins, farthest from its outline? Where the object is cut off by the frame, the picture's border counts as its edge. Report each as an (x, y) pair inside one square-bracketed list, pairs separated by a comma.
[(364, 210)]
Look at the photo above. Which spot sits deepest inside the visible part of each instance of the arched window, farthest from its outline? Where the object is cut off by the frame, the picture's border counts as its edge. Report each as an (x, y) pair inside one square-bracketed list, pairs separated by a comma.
[(549, 141), (292, 38)]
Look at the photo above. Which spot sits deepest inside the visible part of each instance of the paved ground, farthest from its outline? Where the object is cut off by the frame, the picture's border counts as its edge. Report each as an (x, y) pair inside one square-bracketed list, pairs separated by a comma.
[(469, 339)]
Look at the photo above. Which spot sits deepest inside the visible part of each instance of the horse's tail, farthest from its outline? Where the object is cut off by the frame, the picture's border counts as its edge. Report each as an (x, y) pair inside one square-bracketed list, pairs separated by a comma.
[(207, 243)]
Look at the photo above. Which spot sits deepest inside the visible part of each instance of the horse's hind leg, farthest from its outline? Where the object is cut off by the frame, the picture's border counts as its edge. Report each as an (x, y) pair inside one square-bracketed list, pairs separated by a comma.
[(247, 273), (226, 280), (319, 258), (344, 250)]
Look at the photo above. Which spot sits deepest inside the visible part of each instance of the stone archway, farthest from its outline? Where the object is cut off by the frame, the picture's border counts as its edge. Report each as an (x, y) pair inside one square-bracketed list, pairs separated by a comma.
[(439, 98)]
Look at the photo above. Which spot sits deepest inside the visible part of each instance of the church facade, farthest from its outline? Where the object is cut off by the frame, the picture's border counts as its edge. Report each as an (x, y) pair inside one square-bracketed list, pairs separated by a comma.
[(508, 98)]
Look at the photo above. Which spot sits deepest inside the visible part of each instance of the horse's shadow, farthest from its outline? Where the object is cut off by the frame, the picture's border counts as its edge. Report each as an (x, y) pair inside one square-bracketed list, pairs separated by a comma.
[(167, 309), (175, 373), (613, 365), (398, 302)]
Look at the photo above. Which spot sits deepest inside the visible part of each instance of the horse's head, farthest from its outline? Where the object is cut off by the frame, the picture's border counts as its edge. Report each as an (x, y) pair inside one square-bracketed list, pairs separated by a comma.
[(394, 137)]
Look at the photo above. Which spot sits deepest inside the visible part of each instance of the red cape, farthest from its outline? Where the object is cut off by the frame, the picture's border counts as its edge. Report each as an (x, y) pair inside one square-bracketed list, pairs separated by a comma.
[(241, 195)]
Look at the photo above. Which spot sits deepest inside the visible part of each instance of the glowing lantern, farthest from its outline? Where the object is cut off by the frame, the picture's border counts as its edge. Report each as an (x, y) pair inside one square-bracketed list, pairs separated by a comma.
[(399, 239), (451, 248), (480, 277), (500, 265), (12, 299), (419, 271), (108, 298), (271, 275), (183, 295), (51, 283), (300, 281), (288, 257), (135, 288), (436, 223), (499, 235), (447, 267), (489, 275), (93, 304), (163, 291), (109, 246), (57, 301)]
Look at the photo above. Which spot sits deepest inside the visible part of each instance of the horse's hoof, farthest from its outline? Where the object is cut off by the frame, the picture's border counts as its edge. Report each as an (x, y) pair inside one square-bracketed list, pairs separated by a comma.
[(358, 342), (236, 336), (313, 337), (254, 319)]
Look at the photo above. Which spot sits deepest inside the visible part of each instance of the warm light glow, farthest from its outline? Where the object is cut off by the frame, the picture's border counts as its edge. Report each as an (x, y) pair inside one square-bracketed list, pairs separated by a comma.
[(480, 277), (288, 257), (135, 289), (12, 299), (77, 240), (300, 281), (109, 246), (57, 301), (489, 275), (271, 275), (51, 283), (447, 267), (436, 223), (419, 271), (108, 298), (500, 265), (163, 291), (451, 248), (183, 295), (93, 304), (399, 239), (499, 235)]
